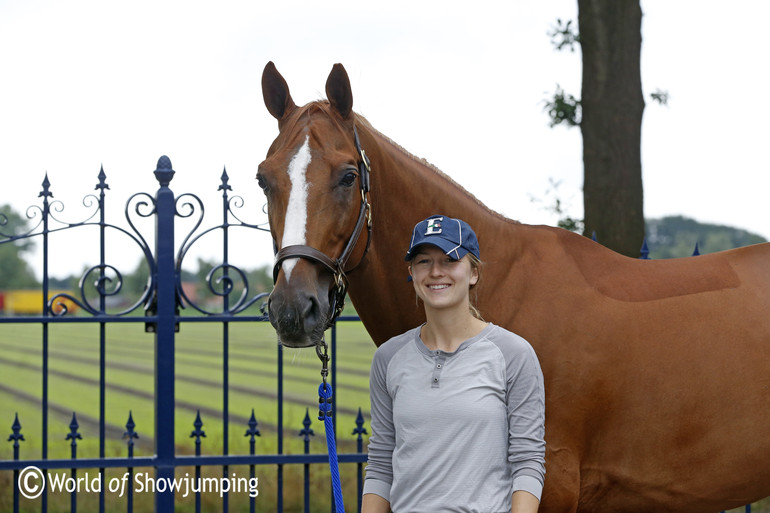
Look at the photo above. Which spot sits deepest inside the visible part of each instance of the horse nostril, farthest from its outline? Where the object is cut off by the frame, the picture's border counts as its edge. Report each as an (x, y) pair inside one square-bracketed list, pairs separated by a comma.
[(270, 315), (311, 313)]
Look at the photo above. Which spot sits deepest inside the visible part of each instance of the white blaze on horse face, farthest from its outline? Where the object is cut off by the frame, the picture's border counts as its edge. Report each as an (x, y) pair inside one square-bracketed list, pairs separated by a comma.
[(296, 212)]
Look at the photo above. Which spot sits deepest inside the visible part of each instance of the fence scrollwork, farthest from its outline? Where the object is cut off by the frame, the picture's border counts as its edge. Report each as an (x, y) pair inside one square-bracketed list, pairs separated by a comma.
[(224, 279), (102, 288)]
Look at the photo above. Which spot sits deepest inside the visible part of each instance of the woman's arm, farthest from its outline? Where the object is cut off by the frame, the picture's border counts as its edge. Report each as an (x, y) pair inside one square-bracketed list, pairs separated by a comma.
[(522, 502), (373, 503), (526, 424), (379, 468)]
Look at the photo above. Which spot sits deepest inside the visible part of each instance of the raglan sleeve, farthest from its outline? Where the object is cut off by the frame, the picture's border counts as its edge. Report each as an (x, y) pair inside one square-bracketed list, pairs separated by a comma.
[(379, 468), (526, 418)]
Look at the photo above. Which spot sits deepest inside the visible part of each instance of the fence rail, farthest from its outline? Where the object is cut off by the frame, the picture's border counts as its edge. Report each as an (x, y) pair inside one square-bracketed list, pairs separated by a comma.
[(158, 309)]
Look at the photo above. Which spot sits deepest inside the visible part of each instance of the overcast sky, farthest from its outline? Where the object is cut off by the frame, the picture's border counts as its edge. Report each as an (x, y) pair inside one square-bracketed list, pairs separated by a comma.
[(91, 83)]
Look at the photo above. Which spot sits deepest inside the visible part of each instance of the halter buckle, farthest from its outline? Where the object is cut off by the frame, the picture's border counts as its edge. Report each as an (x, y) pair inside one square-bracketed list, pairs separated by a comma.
[(365, 160)]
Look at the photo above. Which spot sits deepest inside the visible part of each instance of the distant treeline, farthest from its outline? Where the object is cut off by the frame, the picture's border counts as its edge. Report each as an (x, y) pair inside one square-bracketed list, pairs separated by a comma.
[(676, 236)]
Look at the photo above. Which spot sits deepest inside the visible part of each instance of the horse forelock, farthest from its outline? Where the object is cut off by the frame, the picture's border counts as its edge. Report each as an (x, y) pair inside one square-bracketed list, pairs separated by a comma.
[(308, 112)]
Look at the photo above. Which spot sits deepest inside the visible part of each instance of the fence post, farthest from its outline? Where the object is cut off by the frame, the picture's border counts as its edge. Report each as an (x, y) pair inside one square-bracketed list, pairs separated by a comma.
[(165, 311)]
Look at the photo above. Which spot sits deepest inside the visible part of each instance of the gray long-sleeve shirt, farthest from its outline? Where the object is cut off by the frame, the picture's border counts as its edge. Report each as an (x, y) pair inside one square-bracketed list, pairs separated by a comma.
[(456, 432)]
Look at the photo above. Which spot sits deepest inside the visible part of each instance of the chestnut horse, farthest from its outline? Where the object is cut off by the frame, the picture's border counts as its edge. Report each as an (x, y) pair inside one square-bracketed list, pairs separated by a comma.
[(657, 373)]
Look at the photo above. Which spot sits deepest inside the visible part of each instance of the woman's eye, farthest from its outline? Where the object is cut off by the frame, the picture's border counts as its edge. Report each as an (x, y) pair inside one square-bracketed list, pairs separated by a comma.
[(349, 179)]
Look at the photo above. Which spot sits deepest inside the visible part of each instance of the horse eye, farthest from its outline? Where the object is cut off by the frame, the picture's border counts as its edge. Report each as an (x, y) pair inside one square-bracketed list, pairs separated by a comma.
[(348, 180)]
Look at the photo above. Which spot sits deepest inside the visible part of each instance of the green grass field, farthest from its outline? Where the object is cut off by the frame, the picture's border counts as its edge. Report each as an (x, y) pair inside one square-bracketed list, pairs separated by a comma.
[(73, 385)]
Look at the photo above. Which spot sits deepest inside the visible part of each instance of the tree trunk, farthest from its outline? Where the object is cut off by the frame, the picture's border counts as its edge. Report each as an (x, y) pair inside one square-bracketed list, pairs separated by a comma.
[(612, 108)]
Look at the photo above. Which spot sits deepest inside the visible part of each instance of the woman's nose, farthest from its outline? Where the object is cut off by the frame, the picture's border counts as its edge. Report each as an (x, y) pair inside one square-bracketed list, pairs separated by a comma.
[(436, 269)]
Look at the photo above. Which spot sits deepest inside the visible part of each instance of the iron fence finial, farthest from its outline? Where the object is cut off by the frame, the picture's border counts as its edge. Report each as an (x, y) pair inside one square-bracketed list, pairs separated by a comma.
[(360, 429), (164, 173), (130, 433), (225, 186), (73, 434), (252, 431), (102, 180), (16, 436), (198, 432), (645, 251), (46, 192), (307, 431)]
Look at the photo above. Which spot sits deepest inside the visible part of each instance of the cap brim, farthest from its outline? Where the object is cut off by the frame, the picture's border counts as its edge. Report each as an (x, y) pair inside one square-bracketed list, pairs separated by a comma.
[(453, 251)]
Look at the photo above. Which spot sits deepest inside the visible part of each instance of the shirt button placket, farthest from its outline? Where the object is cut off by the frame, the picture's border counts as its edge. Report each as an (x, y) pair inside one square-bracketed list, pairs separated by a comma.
[(439, 360)]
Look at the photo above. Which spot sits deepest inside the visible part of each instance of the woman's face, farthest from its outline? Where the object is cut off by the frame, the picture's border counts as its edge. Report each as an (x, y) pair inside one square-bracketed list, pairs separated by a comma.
[(441, 282)]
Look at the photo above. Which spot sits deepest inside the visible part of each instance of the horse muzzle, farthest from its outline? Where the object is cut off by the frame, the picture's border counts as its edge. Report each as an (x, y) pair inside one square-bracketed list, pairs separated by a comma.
[(298, 316)]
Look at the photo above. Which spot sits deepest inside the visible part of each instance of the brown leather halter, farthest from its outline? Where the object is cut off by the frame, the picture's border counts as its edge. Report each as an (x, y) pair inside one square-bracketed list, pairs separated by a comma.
[(337, 267)]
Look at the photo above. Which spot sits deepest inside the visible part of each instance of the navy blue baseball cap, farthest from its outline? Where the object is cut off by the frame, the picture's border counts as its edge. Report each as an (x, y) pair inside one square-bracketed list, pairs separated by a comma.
[(454, 237)]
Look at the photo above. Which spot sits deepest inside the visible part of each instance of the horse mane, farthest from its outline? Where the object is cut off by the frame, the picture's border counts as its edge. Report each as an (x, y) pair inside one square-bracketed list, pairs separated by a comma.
[(365, 122)]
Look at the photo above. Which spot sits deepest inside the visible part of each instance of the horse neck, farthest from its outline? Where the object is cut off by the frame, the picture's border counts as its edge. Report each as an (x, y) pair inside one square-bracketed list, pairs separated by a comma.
[(406, 190)]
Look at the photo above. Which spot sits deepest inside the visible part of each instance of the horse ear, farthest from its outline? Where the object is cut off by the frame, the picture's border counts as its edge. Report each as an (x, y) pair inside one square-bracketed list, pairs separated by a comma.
[(275, 91), (338, 91)]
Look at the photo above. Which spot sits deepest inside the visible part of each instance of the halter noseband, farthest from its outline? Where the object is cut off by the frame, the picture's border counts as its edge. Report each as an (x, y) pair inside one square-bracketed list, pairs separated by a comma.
[(337, 267)]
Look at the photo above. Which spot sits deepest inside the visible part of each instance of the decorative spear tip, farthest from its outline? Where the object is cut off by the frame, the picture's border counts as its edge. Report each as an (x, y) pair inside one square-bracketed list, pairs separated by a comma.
[(16, 436), (46, 187), (645, 252), (74, 435), (360, 429), (307, 432), (252, 431), (198, 432), (130, 425), (102, 180), (225, 186)]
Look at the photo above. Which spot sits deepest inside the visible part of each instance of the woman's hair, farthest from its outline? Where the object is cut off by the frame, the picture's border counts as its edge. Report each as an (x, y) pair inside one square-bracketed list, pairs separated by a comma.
[(476, 265)]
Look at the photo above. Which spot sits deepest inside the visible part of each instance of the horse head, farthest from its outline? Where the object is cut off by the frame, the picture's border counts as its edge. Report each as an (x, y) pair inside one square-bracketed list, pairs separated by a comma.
[(315, 179)]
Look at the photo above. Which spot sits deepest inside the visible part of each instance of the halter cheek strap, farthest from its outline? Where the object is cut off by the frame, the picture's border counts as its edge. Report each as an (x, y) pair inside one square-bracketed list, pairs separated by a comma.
[(337, 267)]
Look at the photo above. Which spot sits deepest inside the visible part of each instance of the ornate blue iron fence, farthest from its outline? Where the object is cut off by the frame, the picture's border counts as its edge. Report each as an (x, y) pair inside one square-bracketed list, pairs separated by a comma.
[(158, 308)]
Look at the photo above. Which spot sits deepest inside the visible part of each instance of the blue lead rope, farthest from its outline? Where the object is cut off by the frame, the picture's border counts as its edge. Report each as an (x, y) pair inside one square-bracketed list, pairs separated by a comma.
[(325, 413)]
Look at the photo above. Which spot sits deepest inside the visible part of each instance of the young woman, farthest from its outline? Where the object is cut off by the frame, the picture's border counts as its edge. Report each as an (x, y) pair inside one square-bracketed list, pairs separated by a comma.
[(457, 404)]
